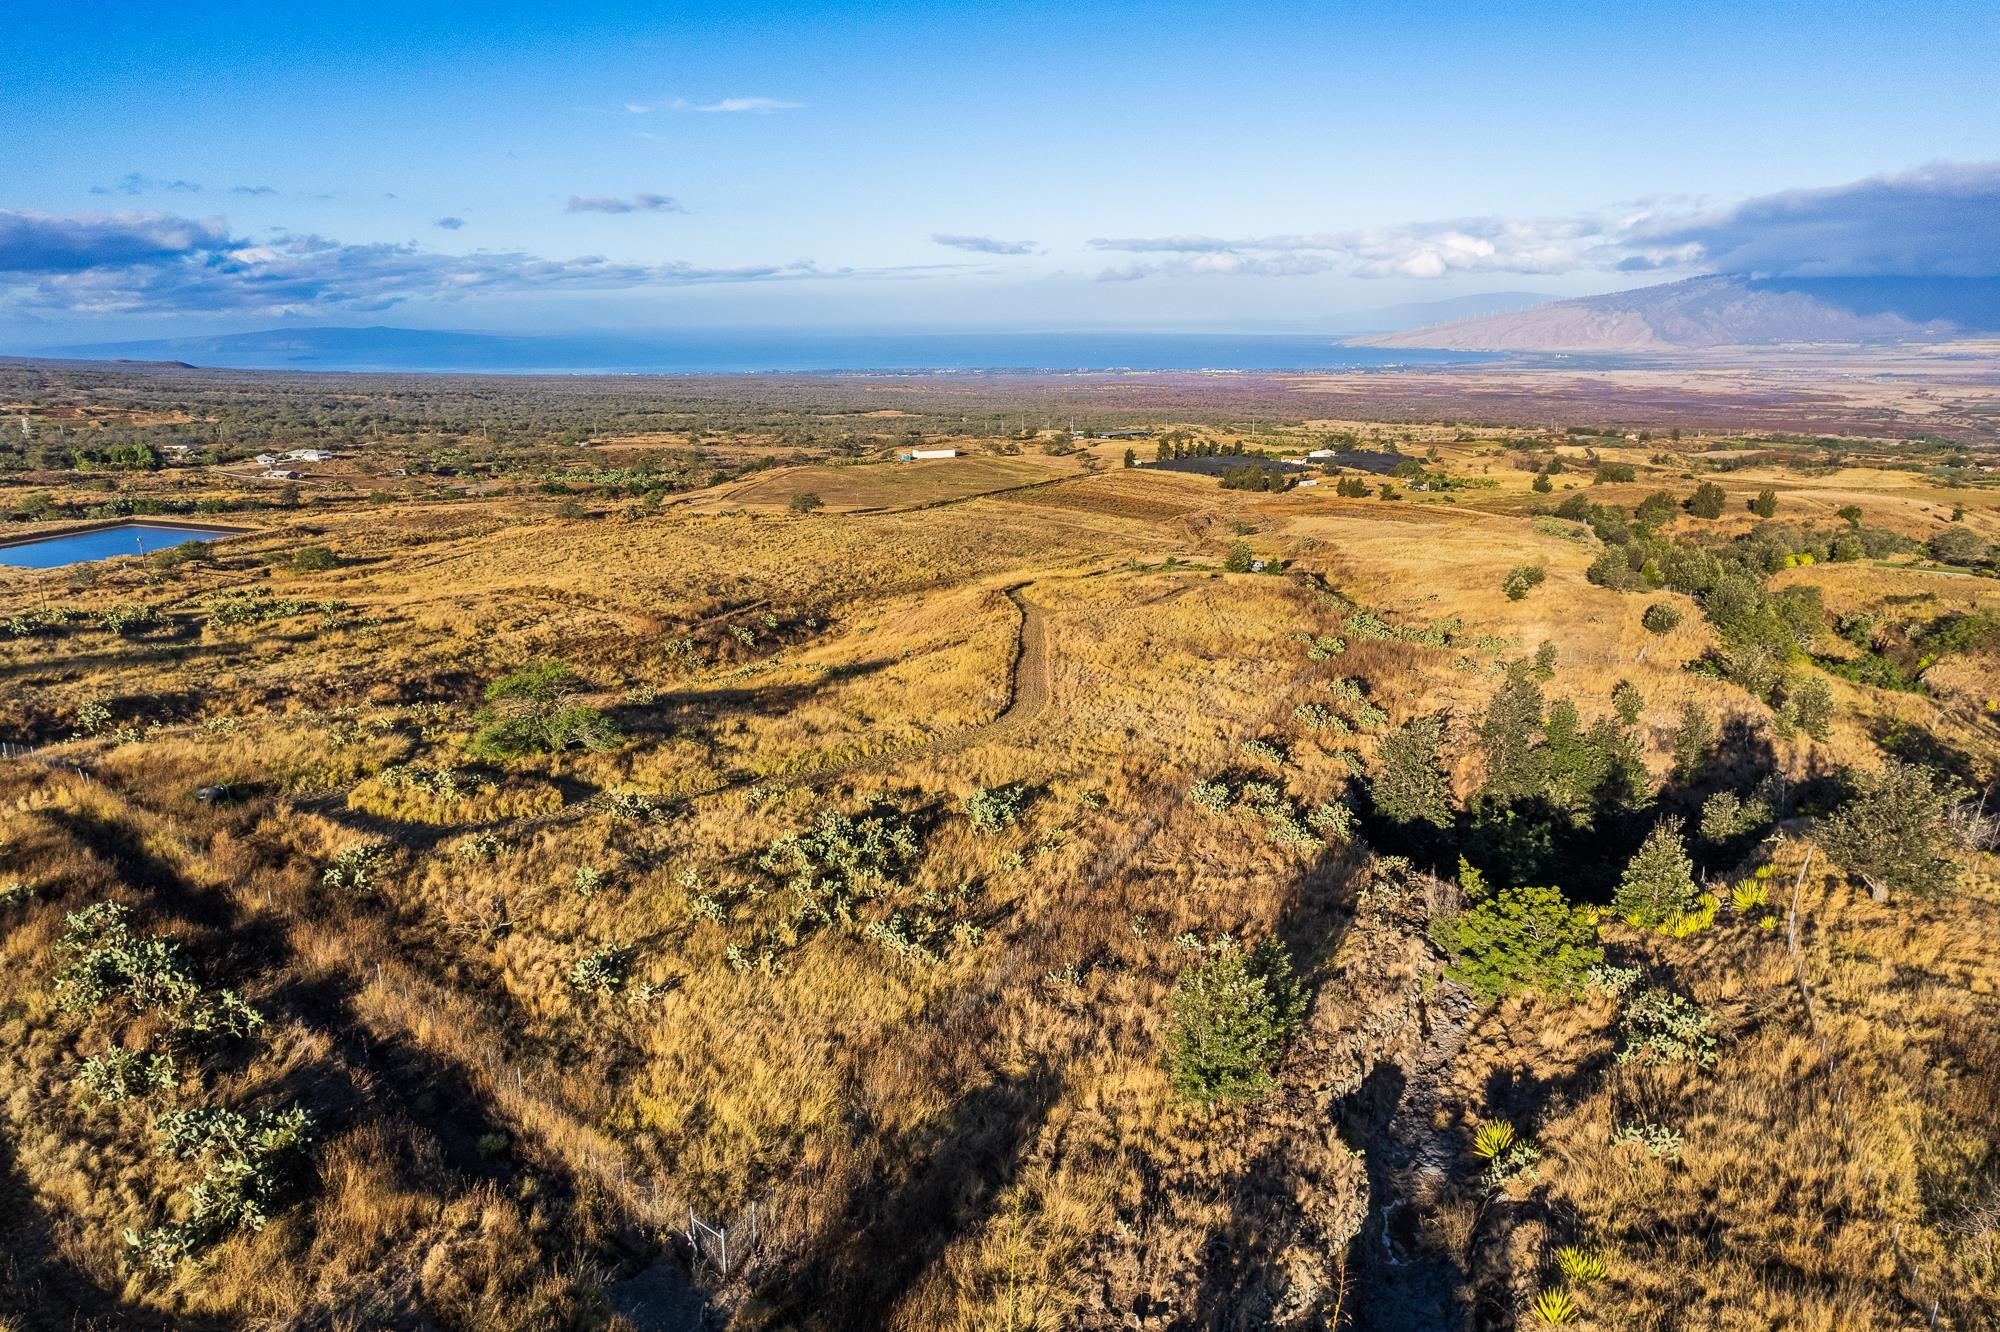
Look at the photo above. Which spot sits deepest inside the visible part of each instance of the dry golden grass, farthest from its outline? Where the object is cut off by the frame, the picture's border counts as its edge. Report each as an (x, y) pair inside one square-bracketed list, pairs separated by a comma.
[(984, 1140)]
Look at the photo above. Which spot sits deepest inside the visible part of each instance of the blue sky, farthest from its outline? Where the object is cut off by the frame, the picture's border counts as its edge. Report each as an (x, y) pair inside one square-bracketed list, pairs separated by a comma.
[(626, 166)]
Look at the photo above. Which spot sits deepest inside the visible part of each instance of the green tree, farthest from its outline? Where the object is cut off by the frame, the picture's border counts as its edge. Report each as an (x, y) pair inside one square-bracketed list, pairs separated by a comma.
[(1131, 457), (1231, 1017), (534, 710), (1627, 702), (1694, 736), (1240, 557), (1658, 886), (1959, 545), (1522, 938), (1509, 733), (1809, 706), (1898, 833), (1850, 514), (1541, 485), (1657, 508), (1410, 784), (1765, 504), (806, 501), (1707, 500)]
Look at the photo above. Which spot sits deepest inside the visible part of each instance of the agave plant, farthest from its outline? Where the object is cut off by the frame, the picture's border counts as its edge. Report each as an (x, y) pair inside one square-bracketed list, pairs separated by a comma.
[(1492, 1139), (1555, 1307), (1581, 1266)]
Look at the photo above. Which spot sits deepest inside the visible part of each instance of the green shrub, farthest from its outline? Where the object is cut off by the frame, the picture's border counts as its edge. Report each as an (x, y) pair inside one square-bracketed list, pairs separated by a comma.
[(1231, 1017), (314, 559), (602, 971), (533, 711), (120, 1075), (1240, 557), (1520, 938), (251, 1167), (995, 809), (1522, 579), (839, 860), (1661, 1027), (1661, 618)]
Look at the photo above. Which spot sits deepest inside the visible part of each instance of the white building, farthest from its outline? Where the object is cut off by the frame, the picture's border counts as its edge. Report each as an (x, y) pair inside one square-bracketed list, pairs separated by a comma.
[(1320, 453), (924, 454), (267, 460), (309, 455)]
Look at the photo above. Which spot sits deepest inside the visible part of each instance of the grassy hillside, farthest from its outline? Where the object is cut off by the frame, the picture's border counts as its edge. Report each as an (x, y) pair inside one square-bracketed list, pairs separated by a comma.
[(560, 907)]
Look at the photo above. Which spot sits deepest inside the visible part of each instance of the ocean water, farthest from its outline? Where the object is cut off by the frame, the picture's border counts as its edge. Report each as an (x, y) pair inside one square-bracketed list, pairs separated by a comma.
[(766, 352)]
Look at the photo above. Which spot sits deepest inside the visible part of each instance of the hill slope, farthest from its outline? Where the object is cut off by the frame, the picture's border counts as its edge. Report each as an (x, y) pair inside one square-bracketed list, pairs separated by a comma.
[(1725, 311)]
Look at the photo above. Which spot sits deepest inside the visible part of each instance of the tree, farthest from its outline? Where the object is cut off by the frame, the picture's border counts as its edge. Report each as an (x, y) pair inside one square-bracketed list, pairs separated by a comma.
[(1657, 508), (1897, 833), (806, 501), (1627, 702), (1658, 886), (1231, 1017), (1959, 545), (534, 710), (1850, 513), (1523, 938), (1131, 457), (1765, 504), (1240, 557), (1809, 706), (1410, 784), (1508, 733), (1693, 738), (1707, 500), (1541, 485)]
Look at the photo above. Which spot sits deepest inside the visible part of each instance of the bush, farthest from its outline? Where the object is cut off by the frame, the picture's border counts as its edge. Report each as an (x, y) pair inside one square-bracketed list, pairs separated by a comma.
[(1522, 579), (1658, 887), (1897, 833), (533, 711), (1661, 618), (1661, 1027), (313, 559), (1765, 504), (602, 971), (251, 1167), (1232, 1016), (995, 809), (1628, 702), (806, 501), (1522, 938), (1240, 557)]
